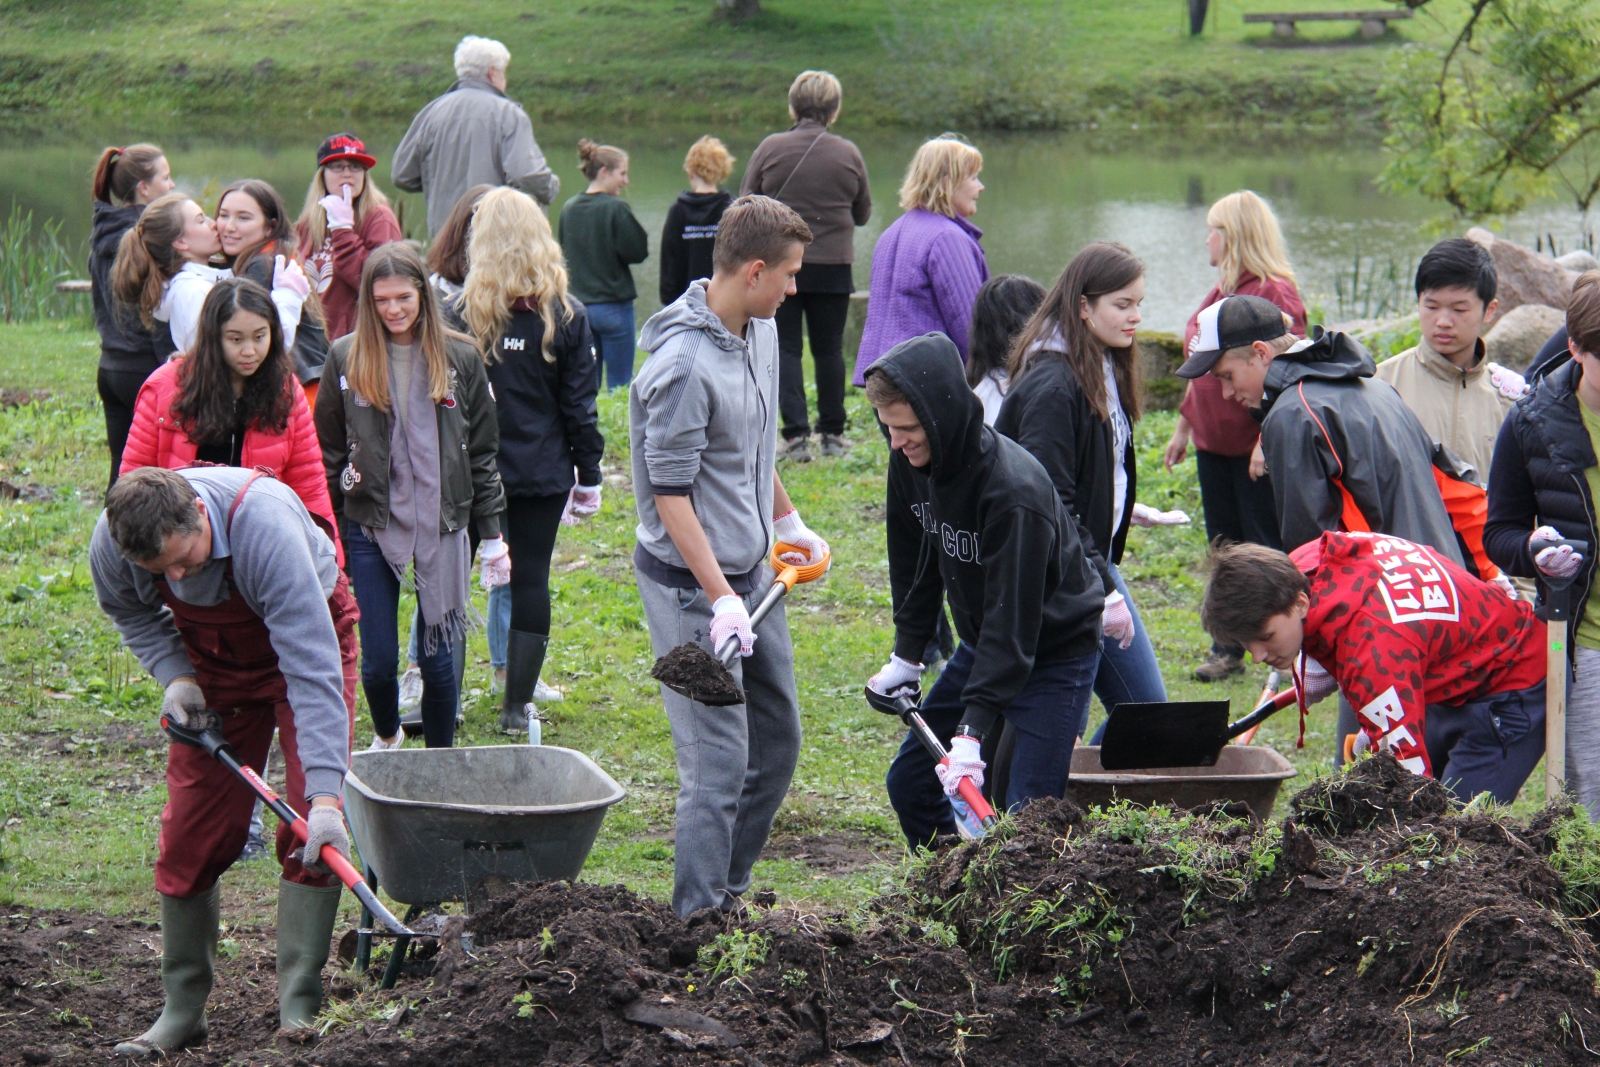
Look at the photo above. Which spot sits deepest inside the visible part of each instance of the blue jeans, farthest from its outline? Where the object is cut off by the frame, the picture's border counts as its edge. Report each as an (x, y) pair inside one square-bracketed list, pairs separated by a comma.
[(378, 595), (612, 326), (1045, 716), (499, 623), (1127, 675)]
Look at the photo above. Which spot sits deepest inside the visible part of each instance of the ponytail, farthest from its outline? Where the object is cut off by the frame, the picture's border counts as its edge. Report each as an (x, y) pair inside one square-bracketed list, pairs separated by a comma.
[(119, 171), (146, 260)]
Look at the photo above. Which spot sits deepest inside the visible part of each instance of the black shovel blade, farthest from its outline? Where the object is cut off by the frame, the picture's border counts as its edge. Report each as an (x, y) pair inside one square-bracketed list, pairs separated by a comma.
[(1179, 733)]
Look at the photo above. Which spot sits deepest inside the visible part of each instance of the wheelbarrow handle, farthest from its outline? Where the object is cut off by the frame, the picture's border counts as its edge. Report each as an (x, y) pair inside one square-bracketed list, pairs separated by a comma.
[(216, 746)]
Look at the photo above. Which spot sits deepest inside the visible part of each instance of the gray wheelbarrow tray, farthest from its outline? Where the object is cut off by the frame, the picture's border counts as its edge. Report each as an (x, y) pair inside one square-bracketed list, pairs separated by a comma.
[(1249, 773), (434, 823)]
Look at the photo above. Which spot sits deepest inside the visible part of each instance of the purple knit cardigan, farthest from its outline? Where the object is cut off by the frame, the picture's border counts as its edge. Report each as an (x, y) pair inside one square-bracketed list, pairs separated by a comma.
[(926, 270)]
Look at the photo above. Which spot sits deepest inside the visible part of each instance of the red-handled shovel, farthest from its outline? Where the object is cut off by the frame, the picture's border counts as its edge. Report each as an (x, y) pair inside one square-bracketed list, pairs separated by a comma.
[(905, 706), (212, 741)]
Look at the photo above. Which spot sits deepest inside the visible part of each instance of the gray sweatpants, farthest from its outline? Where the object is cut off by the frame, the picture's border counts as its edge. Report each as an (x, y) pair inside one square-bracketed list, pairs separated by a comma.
[(734, 764), (1583, 732)]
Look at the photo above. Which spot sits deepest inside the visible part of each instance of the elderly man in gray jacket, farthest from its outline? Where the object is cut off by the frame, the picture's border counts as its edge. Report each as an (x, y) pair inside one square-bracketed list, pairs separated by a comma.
[(472, 135)]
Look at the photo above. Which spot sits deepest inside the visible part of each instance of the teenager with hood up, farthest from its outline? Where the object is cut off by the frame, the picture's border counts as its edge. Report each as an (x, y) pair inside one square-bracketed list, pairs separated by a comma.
[(126, 180), (691, 228), (975, 519)]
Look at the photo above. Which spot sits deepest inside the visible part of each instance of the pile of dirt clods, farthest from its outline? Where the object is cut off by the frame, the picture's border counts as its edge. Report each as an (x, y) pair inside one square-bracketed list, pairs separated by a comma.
[(1374, 926)]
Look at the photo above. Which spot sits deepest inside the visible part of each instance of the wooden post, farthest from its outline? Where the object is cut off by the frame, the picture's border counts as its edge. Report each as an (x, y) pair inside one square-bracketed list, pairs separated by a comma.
[(1555, 705)]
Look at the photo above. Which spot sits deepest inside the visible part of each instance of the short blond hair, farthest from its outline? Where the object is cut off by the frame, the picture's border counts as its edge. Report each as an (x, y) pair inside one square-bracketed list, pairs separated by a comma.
[(815, 94), (938, 167), (1252, 242), (709, 160)]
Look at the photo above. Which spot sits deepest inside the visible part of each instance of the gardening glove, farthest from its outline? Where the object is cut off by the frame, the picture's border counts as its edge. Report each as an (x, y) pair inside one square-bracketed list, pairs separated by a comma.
[(1117, 621), (1507, 586), (582, 502), (1555, 562), (897, 676), (964, 762), (1146, 516), (1319, 684), (286, 274), (791, 531), (184, 705), (1511, 385), (325, 826), (495, 555), (340, 211), (729, 618)]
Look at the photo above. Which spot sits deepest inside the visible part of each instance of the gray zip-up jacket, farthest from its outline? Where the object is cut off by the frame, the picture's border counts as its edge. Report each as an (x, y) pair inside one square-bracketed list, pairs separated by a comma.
[(285, 569), (472, 135), (702, 424)]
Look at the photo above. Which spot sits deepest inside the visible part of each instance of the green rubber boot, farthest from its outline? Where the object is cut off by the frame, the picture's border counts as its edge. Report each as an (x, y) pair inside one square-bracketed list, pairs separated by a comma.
[(524, 660), (305, 927), (188, 961)]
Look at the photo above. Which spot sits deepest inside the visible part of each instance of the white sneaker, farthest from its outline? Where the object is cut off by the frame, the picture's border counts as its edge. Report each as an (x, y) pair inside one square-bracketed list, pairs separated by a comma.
[(411, 690), (547, 694), (497, 684), (380, 745)]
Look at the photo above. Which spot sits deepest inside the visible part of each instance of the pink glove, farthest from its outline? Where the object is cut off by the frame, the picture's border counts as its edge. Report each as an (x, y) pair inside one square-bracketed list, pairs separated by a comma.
[(286, 274), (964, 762), (1319, 683), (584, 501), (1117, 621), (790, 530), (1147, 516), (1560, 562), (730, 619), (341, 212), (496, 557)]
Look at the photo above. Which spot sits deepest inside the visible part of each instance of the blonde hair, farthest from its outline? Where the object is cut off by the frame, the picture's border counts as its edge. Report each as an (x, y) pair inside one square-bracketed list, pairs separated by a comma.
[(709, 160), (313, 220), (938, 167), (1252, 243), (367, 367), (511, 255), (815, 95), (593, 158)]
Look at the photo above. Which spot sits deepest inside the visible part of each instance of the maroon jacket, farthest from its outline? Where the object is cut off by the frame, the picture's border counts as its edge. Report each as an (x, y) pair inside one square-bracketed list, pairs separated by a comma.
[(335, 268)]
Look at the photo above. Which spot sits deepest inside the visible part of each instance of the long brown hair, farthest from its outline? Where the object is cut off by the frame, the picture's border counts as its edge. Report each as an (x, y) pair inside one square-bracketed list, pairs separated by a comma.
[(313, 220), (276, 235), (1102, 267), (447, 255), (367, 366), (119, 171), (146, 260), (205, 407)]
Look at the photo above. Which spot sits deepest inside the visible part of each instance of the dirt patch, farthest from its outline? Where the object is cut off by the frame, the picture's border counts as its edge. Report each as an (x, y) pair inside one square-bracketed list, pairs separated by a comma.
[(691, 668), (834, 853), (1065, 938)]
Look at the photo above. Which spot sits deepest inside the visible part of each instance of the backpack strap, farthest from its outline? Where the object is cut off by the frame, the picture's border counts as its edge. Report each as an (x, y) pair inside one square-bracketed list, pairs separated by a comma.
[(259, 472)]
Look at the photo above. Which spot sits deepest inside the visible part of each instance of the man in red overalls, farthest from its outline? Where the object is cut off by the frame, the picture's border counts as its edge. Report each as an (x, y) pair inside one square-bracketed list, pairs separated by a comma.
[(1445, 671), (227, 591)]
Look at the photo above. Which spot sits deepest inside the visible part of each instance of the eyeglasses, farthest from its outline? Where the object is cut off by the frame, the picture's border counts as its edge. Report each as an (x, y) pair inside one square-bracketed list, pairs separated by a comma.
[(344, 166)]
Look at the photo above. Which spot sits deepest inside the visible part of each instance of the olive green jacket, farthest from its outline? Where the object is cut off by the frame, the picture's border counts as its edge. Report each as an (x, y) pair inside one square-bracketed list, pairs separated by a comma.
[(355, 446)]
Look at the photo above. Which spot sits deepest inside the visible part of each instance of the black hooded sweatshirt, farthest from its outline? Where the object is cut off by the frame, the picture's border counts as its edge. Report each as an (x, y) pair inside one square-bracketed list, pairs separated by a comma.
[(983, 525), (125, 343), (687, 240)]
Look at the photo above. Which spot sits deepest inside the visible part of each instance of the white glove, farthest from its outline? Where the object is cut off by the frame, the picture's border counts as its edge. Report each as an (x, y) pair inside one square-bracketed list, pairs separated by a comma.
[(728, 619), (324, 826), (964, 762), (340, 211), (1319, 683), (184, 705), (1560, 562), (1511, 385), (897, 675), (286, 274), (1146, 516), (495, 555), (1117, 621), (582, 502), (1507, 586), (791, 531)]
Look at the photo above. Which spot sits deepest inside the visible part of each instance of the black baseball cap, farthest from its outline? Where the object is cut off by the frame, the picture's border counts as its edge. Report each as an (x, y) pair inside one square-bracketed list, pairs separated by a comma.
[(1231, 322)]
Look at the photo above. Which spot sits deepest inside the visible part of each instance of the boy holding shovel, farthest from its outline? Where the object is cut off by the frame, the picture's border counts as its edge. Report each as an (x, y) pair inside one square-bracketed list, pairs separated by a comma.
[(974, 518), (703, 433)]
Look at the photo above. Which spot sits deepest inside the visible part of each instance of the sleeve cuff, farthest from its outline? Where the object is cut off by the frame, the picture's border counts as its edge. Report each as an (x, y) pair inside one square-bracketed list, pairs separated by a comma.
[(172, 666), (671, 490), (489, 526), (323, 782), (910, 647), (589, 478)]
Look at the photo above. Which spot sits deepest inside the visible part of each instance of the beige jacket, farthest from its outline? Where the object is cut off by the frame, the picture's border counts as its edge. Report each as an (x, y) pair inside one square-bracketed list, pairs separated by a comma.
[(1462, 409)]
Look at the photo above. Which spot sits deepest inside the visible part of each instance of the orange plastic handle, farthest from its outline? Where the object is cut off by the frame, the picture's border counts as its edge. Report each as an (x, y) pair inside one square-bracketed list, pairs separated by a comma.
[(790, 573)]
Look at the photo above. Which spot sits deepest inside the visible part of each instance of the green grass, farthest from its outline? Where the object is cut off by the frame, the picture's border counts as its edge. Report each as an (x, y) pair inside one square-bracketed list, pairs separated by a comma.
[(81, 771), (1031, 63)]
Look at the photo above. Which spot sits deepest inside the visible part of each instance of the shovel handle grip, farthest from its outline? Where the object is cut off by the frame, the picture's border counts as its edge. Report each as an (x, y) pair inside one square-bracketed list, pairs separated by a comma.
[(974, 798), (1262, 713)]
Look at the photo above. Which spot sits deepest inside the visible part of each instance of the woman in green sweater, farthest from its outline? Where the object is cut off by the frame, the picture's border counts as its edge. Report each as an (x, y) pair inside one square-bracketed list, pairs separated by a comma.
[(602, 240)]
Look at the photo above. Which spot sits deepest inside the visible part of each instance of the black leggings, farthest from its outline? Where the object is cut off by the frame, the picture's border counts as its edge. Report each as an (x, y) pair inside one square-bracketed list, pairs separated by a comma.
[(118, 390), (826, 314), (531, 524)]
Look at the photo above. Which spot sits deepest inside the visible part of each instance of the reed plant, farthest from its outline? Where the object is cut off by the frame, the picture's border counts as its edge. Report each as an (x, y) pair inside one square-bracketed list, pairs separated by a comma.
[(33, 259)]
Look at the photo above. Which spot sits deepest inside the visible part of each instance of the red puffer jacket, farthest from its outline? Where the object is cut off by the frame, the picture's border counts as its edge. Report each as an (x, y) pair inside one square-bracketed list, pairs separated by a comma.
[(294, 456)]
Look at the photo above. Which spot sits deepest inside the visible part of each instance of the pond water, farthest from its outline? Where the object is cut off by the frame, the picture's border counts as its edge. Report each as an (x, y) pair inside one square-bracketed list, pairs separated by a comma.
[(1047, 195)]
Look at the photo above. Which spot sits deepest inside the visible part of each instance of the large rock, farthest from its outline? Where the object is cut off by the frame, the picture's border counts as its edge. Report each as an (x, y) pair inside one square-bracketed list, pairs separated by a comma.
[(1526, 277), (1580, 261), (1161, 354), (1519, 334)]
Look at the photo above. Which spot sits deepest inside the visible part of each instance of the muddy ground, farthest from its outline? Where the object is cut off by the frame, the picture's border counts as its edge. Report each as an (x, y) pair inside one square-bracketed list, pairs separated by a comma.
[(1373, 927)]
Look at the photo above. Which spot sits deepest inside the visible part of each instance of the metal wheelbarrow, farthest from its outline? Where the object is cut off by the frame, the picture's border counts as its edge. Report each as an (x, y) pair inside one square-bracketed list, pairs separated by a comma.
[(434, 824)]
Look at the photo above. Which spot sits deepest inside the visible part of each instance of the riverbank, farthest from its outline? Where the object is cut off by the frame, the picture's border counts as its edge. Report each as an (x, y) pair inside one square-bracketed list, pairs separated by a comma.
[(1033, 64)]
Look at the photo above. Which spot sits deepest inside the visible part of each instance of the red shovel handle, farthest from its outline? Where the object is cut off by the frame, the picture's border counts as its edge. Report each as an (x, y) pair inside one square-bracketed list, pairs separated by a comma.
[(974, 798)]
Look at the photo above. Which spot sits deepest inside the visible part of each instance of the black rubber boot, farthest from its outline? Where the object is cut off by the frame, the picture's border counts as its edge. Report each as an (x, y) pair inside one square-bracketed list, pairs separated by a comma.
[(188, 961), (524, 659)]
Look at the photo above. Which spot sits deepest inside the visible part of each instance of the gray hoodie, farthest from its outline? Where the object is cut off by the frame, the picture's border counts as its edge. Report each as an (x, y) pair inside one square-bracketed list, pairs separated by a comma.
[(702, 424), (285, 569)]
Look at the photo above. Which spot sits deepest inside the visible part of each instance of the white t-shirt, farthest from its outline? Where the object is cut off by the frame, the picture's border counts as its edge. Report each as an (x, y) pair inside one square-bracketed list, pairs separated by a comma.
[(1121, 440), (991, 390)]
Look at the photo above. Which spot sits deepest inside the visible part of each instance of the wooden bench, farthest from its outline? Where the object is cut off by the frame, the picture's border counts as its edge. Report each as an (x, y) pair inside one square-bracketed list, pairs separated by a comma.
[(1373, 23)]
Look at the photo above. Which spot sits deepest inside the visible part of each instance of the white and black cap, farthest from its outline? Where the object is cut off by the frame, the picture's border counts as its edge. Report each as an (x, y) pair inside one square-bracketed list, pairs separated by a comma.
[(1232, 322)]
